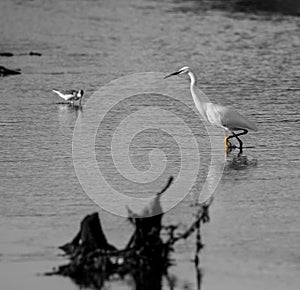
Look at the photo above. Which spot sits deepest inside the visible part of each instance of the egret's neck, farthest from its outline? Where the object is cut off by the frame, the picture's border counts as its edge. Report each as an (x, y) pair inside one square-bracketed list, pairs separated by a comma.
[(193, 79), (192, 87), (197, 100)]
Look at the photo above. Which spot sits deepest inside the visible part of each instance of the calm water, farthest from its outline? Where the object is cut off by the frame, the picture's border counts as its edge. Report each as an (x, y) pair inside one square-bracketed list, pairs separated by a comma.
[(246, 61)]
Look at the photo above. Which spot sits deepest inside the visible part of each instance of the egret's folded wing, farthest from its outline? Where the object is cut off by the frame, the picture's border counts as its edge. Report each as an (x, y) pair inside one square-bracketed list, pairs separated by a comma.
[(233, 120)]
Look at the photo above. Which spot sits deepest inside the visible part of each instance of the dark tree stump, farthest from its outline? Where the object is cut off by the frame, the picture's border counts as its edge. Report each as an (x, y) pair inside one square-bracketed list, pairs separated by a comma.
[(145, 258), (89, 238)]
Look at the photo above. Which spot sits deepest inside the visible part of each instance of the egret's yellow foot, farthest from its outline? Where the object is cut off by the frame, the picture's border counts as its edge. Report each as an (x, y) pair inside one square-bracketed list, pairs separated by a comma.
[(226, 142)]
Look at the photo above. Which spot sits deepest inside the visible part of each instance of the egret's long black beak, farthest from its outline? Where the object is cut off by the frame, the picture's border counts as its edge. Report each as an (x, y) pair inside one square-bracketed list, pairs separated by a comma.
[(172, 74)]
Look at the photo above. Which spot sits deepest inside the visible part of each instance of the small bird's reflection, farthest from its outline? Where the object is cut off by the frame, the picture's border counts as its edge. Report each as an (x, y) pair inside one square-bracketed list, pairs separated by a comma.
[(68, 114)]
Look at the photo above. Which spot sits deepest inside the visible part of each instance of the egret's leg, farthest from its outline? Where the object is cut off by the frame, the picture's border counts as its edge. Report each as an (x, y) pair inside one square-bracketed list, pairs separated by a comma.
[(239, 140), (228, 145), (241, 143)]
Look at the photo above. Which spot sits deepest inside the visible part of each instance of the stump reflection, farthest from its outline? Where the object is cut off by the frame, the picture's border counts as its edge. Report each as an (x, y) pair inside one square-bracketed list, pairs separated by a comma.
[(145, 258)]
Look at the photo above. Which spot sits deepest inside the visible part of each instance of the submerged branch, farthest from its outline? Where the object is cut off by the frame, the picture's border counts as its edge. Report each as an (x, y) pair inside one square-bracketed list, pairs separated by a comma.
[(146, 257)]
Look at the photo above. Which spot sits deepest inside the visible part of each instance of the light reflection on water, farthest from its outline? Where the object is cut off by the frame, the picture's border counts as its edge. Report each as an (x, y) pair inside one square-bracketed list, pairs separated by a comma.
[(249, 63)]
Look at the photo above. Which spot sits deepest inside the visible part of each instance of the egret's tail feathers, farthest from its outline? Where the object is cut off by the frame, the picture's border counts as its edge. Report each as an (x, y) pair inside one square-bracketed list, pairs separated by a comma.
[(252, 126)]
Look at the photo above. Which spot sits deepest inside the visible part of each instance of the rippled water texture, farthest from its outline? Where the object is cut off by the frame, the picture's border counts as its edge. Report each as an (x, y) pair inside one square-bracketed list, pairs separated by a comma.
[(249, 61)]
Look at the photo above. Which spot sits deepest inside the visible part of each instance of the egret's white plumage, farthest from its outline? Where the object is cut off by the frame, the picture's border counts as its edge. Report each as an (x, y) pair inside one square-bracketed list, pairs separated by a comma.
[(218, 115), (227, 118)]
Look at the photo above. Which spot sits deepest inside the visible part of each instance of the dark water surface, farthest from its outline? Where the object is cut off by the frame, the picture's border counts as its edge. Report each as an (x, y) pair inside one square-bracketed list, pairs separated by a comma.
[(248, 61)]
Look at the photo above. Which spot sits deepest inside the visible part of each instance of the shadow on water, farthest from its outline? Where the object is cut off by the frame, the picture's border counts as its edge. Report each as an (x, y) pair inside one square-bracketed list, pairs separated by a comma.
[(238, 161), (143, 280), (291, 7)]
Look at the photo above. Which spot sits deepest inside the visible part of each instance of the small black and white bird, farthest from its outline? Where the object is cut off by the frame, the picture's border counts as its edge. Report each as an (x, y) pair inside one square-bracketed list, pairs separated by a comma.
[(71, 95)]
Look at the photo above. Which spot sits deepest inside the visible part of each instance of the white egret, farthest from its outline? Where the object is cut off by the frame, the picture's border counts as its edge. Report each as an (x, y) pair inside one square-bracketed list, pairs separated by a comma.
[(71, 95), (218, 115)]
